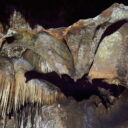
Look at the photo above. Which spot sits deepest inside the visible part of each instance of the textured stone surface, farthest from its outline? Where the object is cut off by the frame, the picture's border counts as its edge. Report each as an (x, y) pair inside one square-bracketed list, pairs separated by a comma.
[(83, 37), (73, 48), (111, 56), (89, 113), (90, 49)]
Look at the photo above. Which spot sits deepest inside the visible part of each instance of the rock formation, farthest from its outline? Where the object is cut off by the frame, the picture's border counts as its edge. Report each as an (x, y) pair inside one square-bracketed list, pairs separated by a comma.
[(91, 53)]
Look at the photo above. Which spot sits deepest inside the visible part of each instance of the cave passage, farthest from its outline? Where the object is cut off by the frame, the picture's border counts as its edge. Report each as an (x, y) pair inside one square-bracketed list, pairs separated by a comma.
[(79, 90)]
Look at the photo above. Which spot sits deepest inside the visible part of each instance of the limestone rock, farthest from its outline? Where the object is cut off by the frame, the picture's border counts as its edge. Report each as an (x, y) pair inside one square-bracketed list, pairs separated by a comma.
[(17, 21), (111, 58), (95, 48), (83, 37)]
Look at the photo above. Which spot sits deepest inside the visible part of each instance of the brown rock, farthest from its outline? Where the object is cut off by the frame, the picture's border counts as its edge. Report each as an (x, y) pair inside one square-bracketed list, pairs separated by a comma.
[(111, 57), (84, 36)]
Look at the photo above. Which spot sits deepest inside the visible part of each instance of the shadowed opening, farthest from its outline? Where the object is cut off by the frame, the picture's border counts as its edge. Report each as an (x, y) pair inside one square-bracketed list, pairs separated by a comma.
[(79, 90), (113, 28)]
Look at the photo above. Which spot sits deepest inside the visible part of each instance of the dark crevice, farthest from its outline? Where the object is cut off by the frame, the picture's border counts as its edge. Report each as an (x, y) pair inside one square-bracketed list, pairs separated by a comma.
[(72, 59), (10, 40), (79, 90), (113, 28)]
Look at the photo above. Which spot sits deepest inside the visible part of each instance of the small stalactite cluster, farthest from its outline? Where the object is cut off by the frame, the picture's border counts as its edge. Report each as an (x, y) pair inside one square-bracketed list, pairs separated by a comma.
[(16, 92)]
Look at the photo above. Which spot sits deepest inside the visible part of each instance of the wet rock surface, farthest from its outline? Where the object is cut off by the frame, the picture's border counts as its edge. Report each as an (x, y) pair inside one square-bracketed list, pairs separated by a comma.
[(90, 61)]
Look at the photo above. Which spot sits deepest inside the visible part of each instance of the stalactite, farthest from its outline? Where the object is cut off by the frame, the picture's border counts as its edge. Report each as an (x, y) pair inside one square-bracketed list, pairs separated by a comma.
[(16, 92)]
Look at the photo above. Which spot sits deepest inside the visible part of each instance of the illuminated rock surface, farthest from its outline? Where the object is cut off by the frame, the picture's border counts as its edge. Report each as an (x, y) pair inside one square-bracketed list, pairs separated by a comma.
[(43, 71)]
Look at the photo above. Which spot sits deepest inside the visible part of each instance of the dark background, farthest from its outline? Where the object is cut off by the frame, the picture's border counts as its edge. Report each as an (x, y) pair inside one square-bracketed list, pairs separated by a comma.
[(54, 13)]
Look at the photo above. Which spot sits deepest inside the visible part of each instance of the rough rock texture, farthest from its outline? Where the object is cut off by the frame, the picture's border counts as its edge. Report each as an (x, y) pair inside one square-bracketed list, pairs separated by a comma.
[(111, 58), (90, 49)]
